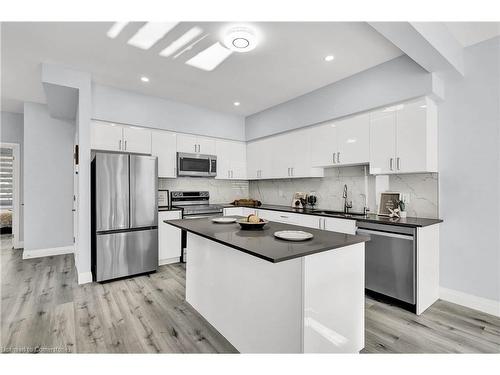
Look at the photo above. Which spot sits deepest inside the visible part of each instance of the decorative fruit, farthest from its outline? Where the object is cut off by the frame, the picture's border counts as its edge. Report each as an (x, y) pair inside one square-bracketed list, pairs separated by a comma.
[(253, 219)]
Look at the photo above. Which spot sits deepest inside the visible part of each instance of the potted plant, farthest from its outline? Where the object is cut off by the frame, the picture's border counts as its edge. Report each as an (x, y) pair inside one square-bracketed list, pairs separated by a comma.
[(402, 208)]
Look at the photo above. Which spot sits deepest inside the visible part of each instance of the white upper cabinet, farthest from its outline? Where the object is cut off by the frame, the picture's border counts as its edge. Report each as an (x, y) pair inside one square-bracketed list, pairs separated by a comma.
[(323, 144), (341, 142), (286, 155), (403, 138), (113, 137), (382, 142), (164, 146), (106, 136), (195, 144), (136, 139), (231, 160), (353, 140)]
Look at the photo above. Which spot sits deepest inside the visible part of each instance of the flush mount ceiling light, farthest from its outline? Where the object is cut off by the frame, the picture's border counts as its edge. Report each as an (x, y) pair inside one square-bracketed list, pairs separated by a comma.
[(210, 58), (236, 104), (147, 36), (144, 79), (240, 38), (329, 58), (116, 29)]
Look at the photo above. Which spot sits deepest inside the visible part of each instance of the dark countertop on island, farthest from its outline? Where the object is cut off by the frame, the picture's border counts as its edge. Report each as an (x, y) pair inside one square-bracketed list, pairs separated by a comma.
[(262, 243), (413, 222)]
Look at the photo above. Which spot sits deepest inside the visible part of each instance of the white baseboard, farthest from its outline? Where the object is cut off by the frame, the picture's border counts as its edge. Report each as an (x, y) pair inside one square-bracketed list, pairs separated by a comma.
[(38, 253), (84, 277), (162, 262), (485, 305)]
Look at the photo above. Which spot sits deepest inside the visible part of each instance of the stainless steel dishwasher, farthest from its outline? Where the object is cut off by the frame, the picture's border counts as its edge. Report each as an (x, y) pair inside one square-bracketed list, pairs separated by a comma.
[(390, 261)]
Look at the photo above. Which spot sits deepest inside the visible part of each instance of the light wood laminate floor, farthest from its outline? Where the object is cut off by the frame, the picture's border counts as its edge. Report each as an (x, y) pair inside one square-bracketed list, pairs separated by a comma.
[(44, 309)]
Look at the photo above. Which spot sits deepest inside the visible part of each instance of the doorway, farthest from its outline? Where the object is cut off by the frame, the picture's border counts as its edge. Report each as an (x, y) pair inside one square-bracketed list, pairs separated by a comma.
[(10, 213)]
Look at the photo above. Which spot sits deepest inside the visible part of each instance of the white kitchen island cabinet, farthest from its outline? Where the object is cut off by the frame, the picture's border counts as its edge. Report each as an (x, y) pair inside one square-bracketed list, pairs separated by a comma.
[(267, 295)]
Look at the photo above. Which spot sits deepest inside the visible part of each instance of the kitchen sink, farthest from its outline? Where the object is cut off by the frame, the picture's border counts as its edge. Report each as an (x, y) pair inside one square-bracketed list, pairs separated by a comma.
[(339, 213)]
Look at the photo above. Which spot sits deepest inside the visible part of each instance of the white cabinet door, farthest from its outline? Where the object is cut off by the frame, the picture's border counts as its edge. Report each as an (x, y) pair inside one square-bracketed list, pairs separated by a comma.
[(253, 160), (224, 153), (233, 211), (206, 145), (300, 154), (353, 139), (187, 143), (281, 157), (231, 159), (136, 139), (340, 225), (164, 146), (323, 144), (169, 238), (382, 142), (411, 138), (106, 136), (239, 161)]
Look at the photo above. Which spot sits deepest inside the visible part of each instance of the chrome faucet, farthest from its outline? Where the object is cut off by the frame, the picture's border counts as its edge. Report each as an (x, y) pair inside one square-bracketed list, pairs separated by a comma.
[(346, 205)]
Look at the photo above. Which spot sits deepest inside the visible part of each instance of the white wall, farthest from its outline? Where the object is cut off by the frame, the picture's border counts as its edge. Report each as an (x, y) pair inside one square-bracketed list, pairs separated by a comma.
[(48, 179), (11, 131), (469, 175), (396, 80), (115, 105)]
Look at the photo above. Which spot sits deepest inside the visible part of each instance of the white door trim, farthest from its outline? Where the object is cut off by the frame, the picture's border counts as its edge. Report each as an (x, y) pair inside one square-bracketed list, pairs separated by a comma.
[(15, 192)]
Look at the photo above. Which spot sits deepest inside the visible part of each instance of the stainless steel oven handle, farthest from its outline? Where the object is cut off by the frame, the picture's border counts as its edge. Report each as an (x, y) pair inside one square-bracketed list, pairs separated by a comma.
[(384, 234)]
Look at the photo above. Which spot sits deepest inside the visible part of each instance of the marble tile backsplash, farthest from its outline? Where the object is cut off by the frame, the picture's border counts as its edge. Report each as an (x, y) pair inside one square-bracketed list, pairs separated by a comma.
[(221, 191), (422, 190)]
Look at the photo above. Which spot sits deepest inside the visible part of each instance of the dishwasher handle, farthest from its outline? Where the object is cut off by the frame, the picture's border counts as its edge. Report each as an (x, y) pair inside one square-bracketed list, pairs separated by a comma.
[(385, 234)]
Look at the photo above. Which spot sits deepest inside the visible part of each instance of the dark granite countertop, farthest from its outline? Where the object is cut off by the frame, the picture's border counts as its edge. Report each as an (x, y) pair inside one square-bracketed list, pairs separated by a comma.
[(262, 243), (413, 222)]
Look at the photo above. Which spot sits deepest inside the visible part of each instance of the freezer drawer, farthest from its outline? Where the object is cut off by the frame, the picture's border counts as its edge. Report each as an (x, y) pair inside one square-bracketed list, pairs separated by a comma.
[(390, 264), (126, 253)]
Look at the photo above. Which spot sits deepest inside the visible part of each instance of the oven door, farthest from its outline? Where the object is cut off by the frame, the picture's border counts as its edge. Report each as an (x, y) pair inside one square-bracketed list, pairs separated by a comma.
[(193, 165)]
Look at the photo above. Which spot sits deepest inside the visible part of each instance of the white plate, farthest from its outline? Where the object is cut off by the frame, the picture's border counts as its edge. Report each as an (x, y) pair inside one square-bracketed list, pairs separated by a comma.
[(224, 220), (293, 235)]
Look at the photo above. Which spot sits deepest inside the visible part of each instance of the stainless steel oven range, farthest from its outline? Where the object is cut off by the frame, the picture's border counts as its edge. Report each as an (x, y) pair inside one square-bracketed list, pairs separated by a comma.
[(194, 205)]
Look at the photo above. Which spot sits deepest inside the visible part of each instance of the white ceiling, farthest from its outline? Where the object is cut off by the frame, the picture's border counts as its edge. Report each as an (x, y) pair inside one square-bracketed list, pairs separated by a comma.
[(288, 62), (469, 33)]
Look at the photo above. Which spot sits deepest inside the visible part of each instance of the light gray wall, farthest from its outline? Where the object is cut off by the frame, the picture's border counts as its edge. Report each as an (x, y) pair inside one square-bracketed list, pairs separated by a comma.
[(48, 179), (387, 83), (111, 104), (12, 129), (469, 175)]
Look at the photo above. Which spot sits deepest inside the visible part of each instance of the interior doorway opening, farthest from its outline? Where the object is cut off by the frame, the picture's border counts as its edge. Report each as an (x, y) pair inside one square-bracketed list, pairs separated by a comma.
[(10, 213)]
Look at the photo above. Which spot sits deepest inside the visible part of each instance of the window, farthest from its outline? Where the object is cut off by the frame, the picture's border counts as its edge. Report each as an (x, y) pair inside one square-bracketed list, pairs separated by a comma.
[(6, 177)]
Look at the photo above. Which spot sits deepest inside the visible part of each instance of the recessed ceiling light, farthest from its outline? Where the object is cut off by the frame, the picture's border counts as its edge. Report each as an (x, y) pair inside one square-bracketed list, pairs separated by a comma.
[(240, 38), (236, 104), (144, 79), (116, 29), (210, 58), (181, 41), (329, 58), (151, 33)]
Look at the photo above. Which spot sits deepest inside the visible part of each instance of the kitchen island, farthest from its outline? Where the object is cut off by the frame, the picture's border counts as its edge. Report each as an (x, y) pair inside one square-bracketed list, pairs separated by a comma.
[(267, 295)]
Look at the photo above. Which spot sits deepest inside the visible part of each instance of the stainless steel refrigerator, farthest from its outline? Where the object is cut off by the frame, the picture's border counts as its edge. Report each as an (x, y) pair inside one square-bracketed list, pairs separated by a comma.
[(124, 215)]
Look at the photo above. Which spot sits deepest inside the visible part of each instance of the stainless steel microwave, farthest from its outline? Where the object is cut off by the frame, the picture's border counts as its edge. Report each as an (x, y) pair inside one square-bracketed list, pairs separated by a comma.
[(197, 165)]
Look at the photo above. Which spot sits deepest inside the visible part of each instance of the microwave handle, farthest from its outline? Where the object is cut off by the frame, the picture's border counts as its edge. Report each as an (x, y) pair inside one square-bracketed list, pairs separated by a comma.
[(211, 165)]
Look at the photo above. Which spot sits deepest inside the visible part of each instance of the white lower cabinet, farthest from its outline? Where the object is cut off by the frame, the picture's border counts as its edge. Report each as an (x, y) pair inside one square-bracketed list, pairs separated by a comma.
[(169, 238), (310, 221)]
